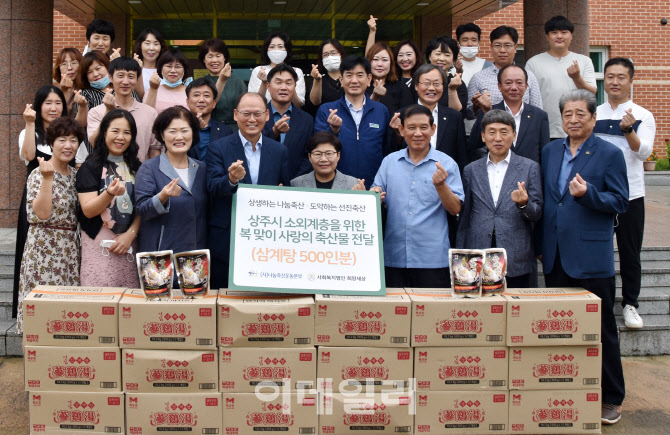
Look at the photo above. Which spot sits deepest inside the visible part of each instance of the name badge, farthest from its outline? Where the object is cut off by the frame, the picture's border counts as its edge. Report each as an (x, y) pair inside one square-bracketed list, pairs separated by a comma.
[(374, 125)]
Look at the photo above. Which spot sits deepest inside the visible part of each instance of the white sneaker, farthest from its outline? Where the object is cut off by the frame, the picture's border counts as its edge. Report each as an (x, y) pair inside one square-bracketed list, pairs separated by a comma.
[(631, 318)]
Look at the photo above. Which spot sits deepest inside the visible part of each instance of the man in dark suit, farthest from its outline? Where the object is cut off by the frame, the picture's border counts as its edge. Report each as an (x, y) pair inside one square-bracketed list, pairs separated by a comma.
[(503, 200), (532, 123), (246, 157), (201, 99), (288, 124), (449, 137), (585, 186)]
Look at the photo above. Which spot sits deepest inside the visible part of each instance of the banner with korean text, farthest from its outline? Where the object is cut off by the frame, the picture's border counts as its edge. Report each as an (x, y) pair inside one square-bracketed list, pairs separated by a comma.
[(294, 240)]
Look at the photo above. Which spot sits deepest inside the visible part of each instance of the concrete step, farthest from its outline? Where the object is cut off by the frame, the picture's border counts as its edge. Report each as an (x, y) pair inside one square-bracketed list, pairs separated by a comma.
[(652, 339), (657, 178), (650, 301), (649, 253), (6, 257), (10, 341)]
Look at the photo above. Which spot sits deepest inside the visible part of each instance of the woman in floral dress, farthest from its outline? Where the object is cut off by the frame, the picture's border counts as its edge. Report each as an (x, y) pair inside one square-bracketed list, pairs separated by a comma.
[(51, 254)]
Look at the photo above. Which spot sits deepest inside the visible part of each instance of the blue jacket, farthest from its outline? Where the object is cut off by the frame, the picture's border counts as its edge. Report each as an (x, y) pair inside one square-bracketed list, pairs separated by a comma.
[(583, 228), (217, 130), (180, 224), (364, 149), (273, 170), (301, 126)]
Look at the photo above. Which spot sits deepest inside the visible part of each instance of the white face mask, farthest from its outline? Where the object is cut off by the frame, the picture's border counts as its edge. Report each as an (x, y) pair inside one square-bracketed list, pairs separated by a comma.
[(277, 56), (332, 63), (469, 52)]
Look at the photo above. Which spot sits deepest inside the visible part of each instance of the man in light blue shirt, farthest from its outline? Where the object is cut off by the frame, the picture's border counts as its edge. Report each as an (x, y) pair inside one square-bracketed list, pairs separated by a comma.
[(252, 151), (420, 185)]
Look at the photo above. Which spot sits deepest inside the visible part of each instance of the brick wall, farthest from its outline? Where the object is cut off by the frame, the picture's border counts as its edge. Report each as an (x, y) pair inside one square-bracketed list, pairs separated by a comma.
[(67, 33), (628, 28)]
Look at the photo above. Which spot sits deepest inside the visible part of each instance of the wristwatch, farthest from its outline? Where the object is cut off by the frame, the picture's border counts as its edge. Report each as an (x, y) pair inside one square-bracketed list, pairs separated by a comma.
[(522, 207), (628, 130)]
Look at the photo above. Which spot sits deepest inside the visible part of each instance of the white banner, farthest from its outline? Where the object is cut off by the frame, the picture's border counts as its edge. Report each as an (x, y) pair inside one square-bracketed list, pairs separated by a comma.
[(293, 240)]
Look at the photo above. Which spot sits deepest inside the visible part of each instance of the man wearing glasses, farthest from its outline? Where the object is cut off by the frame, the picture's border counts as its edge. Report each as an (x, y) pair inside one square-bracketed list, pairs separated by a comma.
[(483, 90), (246, 157)]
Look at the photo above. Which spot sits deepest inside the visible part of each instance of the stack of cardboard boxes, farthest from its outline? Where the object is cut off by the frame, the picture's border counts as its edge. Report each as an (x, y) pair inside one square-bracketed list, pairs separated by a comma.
[(413, 361), (267, 347), (72, 359)]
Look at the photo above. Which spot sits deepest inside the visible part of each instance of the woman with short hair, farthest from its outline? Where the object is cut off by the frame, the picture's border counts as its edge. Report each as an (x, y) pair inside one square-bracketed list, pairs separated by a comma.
[(167, 86), (51, 254)]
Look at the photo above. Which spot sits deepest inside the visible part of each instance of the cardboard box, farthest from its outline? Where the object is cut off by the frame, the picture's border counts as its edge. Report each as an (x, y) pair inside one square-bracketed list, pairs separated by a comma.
[(555, 367), (68, 412), (290, 414), (71, 316), (555, 411), (243, 369), (458, 412), (254, 319), (198, 413), (341, 369), (170, 371), (56, 368), (370, 321), (461, 368), (176, 323), (438, 319), (552, 317), (378, 413)]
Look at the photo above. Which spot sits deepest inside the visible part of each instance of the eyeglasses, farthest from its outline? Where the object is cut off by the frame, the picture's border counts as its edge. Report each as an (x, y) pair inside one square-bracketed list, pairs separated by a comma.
[(256, 115), (73, 64), (498, 46), (332, 53), (433, 84), (176, 67), (318, 154)]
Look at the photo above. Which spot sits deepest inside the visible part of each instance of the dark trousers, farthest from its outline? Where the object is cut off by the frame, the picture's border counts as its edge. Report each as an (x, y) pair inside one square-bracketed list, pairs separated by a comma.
[(218, 274), (629, 232), (613, 386), (418, 278), (521, 281)]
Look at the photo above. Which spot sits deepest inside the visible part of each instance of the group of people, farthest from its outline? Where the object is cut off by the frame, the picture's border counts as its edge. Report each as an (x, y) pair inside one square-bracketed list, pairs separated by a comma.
[(464, 152)]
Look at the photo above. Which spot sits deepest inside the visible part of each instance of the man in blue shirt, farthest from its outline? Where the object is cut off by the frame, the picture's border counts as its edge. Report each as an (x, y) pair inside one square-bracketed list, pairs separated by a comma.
[(360, 123), (420, 185), (585, 186)]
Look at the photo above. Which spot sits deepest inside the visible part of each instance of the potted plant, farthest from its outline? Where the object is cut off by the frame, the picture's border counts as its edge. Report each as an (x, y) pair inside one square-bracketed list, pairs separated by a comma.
[(650, 164)]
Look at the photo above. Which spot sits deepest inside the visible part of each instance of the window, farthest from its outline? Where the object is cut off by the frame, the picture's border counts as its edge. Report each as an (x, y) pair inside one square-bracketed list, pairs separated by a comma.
[(599, 56)]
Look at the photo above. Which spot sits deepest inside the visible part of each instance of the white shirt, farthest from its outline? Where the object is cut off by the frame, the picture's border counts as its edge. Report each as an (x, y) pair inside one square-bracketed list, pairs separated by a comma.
[(470, 68), (517, 119), (146, 77), (253, 157), (496, 175), (255, 83), (183, 175), (552, 75), (433, 138), (607, 127)]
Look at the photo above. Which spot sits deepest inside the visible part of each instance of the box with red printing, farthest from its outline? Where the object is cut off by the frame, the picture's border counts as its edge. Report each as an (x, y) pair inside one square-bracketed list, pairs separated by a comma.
[(171, 323), (71, 316), (555, 411), (460, 368), (438, 319), (373, 414), (197, 413), (57, 368), (370, 321), (552, 317), (555, 367), (290, 414), (70, 412), (459, 412), (169, 371)]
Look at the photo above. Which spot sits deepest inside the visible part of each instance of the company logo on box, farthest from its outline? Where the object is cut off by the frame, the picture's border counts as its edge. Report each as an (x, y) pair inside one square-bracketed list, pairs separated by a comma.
[(32, 355), (498, 398), (132, 402), (496, 309), (39, 428), (401, 311), (305, 356), (592, 397), (516, 310), (135, 430), (516, 354), (422, 400), (37, 400), (130, 358), (403, 355), (305, 311), (208, 357), (226, 356), (500, 354), (325, 357), (205, 312), (309, 401), (323, 310), (212, 401), (225, 312), (230, 403), (592, 351), (109, 356), (113, 401), (419, 310), (404, 400), (126, 312), (516, 399), (30, 310), (591, 308)]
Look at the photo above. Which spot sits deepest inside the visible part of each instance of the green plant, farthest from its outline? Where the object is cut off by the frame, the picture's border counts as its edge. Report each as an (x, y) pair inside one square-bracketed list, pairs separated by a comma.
[(662, 165)]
